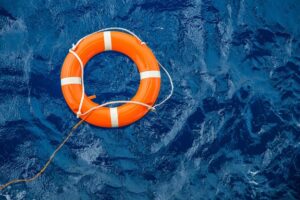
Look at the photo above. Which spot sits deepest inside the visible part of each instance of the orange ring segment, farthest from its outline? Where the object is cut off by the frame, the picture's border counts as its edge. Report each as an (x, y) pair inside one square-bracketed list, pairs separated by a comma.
[(111, 41)]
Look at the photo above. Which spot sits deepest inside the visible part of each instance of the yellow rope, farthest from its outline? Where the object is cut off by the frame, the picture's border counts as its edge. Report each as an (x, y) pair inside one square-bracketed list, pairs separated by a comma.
[(48, 162)]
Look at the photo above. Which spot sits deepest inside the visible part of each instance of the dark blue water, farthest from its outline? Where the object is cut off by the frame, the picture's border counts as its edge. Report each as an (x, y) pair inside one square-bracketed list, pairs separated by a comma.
[(231, 130)]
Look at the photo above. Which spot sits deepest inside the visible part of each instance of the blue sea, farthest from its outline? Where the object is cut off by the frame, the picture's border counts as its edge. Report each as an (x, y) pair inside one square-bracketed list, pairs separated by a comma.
[(230, 131)]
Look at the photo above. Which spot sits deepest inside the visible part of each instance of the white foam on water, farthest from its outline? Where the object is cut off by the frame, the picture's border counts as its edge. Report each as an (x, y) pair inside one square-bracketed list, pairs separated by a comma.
[(91, 152), (267, 158), (6, 196), (205, 76), (168, 189), (21, 195), (253, 173), (241, 12), (14, 26), (225, 29), (231, 89), (253, 182), (27, 59), (197, 142), (18, 196)]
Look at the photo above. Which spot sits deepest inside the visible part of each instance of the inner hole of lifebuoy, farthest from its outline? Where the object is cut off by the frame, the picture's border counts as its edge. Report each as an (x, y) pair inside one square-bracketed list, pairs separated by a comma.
[(111, 76)]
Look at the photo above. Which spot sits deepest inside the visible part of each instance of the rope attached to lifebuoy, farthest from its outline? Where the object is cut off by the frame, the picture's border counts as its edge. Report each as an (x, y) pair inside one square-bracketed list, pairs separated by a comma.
[(14, 181)]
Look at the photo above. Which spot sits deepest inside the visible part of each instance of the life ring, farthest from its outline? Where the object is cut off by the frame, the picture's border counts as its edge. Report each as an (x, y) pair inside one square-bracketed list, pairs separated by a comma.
[(148, 67)]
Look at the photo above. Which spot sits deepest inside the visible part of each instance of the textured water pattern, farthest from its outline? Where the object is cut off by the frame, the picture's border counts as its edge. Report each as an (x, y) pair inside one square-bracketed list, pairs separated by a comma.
[(231, 130)]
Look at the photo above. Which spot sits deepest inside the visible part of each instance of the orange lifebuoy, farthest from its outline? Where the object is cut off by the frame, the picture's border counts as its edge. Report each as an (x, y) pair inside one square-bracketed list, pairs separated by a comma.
[(148, 91)]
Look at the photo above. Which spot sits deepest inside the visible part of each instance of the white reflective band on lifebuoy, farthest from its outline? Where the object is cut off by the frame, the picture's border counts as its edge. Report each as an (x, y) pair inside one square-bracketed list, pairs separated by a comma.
[(107, 41), (70, 80), (114, 117), (150, 74)]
